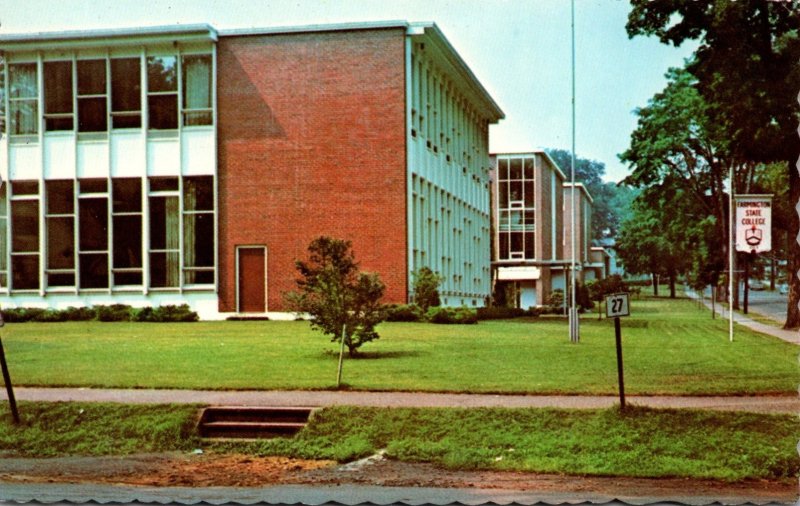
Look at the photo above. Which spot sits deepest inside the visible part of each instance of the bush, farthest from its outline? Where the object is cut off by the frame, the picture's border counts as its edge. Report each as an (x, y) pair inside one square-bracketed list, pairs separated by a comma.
[(51, 315), (451, 315), (168, 313), (500, 313), (79, 314), (114, 313), (404, 313), (426, 288), (22, 314)]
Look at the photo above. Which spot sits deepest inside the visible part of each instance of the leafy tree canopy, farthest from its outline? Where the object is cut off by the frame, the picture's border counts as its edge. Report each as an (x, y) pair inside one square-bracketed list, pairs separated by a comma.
[(336, 296)]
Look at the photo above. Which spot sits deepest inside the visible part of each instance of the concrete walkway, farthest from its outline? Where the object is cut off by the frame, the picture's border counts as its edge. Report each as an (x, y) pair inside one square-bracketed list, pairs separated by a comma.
[(321, 398), (790, 336)]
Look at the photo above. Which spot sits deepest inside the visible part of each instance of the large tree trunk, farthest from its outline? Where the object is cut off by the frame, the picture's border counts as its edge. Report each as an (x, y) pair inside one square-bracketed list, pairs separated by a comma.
[(672, 277), (655, 284), (792, 311)]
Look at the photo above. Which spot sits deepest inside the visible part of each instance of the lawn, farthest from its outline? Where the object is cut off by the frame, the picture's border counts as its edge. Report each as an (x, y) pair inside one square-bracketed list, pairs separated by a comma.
[(670, 347), (640, 442)]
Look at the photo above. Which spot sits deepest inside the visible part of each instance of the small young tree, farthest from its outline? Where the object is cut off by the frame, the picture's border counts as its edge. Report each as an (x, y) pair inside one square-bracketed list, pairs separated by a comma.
[(336, 295), (426, 288)]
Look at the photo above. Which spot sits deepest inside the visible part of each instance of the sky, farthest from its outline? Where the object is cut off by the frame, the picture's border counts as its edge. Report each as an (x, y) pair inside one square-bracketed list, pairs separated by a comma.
[(520, 50)]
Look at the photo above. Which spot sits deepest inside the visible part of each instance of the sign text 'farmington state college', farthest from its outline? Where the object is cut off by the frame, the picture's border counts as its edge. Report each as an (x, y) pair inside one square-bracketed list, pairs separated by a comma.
[(754, 223)]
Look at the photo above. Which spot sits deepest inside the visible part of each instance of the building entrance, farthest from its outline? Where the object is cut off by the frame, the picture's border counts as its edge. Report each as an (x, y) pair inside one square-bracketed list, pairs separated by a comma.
[(252, 279)]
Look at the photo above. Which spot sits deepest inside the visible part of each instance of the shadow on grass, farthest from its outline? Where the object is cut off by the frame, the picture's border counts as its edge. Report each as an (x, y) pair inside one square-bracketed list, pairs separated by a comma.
[(373, 355)]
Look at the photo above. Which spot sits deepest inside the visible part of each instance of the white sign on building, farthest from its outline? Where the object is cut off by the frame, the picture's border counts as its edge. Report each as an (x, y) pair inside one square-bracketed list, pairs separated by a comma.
[(754, 223)]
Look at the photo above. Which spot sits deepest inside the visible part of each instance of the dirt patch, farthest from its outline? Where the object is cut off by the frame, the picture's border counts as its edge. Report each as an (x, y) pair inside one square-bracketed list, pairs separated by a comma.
[(210, 469)]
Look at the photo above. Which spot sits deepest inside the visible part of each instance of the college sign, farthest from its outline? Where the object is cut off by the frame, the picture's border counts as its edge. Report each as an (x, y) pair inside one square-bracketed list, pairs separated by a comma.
[(754, 223)]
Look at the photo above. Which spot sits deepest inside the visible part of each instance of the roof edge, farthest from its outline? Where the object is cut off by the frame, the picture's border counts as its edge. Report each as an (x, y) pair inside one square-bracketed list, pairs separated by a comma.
[(111, 33)]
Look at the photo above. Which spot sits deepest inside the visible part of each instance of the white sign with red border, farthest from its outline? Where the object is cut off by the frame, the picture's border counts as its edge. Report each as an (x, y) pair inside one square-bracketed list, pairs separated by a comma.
[(754, 223)]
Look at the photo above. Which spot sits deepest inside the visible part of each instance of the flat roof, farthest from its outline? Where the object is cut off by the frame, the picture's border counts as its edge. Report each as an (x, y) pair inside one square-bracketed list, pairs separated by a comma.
[(86, 38), (206, 32)]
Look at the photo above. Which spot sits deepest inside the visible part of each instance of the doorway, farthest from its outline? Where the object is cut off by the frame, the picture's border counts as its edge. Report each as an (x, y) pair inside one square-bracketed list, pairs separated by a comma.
[(251, 268)]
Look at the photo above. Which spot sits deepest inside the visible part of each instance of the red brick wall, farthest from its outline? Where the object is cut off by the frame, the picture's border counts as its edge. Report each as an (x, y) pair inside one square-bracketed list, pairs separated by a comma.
[(312, 142)]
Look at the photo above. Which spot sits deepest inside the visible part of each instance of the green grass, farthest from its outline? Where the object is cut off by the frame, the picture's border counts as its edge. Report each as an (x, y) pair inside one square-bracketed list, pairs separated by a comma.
[(51, 429), (640, 442), (670, 347)]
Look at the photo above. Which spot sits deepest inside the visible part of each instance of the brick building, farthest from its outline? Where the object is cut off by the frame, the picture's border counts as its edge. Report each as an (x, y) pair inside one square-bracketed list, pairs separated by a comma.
[(184, 164), (531, 252), (527, 207)]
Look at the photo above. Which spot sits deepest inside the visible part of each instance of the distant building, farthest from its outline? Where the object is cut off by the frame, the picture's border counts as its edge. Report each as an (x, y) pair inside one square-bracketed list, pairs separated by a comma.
[(528, 219), (184, 164), (583, 235)]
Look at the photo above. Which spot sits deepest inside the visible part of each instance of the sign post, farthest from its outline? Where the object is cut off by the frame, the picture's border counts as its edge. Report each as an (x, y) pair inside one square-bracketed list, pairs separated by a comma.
[(7, 379), (617, 305)]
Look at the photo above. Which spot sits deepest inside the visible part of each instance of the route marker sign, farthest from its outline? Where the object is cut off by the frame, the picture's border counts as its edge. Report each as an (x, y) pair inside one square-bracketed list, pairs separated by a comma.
[(617, 305)]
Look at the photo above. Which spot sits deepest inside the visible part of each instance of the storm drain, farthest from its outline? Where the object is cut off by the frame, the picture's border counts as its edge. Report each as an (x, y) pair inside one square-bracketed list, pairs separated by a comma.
[(252, 422)]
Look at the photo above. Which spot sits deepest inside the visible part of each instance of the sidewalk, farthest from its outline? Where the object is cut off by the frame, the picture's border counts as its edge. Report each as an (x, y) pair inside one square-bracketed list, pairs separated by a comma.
[(322, 398), (790, 336)]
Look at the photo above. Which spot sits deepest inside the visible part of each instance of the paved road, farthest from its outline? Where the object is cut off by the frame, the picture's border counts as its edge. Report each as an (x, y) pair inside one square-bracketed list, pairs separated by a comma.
[(764, 302), (320, 398), (790, 336), (314, 495)]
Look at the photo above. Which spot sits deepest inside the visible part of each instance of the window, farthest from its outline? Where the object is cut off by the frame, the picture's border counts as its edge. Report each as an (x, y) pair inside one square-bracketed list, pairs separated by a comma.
[(127, 222), (23, 99), (162, 92), (197, 86), (2, 103), (126, 98), (58, 114), (165, 223), (198, 230), (60, 219), (3, 237), (93, 233), (92, 100), (516, 209), (25, 235)]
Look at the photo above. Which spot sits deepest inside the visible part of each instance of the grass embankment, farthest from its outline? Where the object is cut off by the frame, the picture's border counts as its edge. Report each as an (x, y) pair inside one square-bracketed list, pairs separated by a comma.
[(670, 347), (641, 442)]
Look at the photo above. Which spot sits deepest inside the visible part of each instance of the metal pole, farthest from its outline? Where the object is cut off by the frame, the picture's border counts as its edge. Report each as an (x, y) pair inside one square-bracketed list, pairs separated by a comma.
[(574, 333), (7, 379), (341, 357), (620, 378), (731, 246)]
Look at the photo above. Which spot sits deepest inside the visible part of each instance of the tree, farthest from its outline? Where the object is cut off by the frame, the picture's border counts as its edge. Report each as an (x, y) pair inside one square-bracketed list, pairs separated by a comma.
[(336, 295), (605, 217), (669, 234), (600, 288), (426, 288), (747, 72)]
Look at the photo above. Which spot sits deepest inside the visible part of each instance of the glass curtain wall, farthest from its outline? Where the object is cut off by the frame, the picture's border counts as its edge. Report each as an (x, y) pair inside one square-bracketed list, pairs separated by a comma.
[(516, 212)]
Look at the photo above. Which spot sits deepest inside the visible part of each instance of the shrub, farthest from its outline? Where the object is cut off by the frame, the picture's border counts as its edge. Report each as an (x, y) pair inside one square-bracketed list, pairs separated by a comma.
[(500, 313), (451, 315), (21, 314), (114, 313), (168, 313), (51, 315), (426, 288), (79, 314), (404, 313)]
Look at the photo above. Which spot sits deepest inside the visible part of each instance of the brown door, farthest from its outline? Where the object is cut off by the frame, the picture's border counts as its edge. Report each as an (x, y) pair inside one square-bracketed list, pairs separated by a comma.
[(252, 280)]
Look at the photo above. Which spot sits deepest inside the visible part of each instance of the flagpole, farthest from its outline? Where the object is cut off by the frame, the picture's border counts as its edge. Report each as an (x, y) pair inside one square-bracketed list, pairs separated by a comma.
[(574, 333)]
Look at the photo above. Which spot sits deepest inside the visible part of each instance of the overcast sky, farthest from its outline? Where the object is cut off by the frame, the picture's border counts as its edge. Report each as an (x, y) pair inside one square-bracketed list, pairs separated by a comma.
[(519, 49)]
